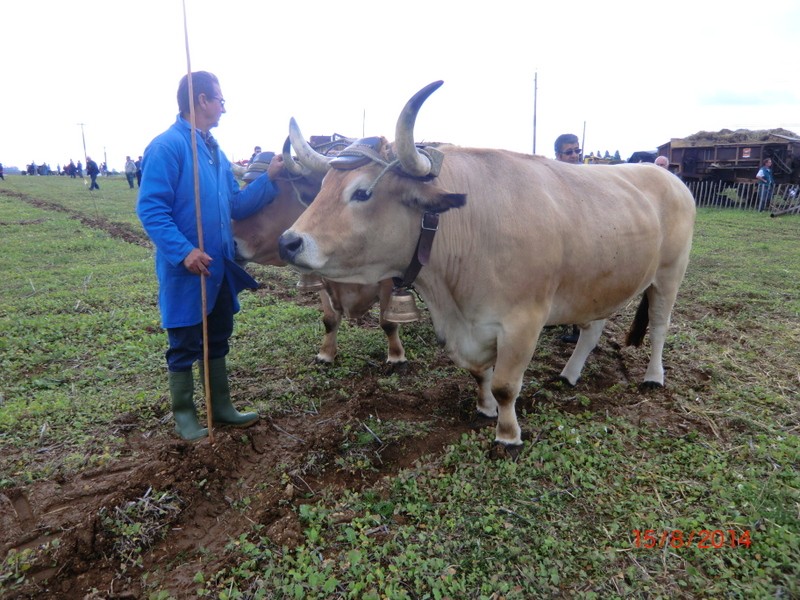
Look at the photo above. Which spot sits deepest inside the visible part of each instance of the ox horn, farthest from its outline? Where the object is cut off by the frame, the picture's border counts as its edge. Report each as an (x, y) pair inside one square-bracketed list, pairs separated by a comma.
[(292, 166), (413, 162), (308, 157)]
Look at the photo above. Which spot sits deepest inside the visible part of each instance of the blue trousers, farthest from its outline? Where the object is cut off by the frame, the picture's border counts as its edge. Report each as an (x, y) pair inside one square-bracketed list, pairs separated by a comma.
[(764, 197), (186, 343)]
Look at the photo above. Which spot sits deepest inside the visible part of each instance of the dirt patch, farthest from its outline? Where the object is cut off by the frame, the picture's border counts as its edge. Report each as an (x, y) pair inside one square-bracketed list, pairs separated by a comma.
[(247, 476)]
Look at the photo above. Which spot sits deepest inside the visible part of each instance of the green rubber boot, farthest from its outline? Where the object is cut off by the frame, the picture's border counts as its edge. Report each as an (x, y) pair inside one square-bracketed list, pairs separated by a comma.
[(181, 390), (222, 410)]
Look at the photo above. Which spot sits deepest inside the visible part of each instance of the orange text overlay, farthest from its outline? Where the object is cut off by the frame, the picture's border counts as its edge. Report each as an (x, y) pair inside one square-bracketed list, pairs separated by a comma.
[(701, 538)]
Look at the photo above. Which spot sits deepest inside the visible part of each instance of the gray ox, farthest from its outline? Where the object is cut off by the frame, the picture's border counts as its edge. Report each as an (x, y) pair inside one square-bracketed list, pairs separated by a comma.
[(533, 242), (257, 241)]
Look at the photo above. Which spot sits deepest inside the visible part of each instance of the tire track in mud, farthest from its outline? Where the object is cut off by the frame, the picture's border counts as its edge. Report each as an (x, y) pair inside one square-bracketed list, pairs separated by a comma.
[(121, 231)]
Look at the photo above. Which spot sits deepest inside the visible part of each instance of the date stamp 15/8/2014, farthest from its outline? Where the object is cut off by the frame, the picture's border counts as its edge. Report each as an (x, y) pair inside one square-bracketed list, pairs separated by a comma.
[(702, 538)]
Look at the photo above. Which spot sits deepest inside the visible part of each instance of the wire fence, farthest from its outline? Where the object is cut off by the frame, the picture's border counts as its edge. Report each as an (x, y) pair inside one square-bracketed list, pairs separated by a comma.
[(744, 196)]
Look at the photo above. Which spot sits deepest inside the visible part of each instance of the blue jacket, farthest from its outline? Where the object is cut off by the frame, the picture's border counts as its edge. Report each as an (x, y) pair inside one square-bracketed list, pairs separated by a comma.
[(166, 208), (766, 173)]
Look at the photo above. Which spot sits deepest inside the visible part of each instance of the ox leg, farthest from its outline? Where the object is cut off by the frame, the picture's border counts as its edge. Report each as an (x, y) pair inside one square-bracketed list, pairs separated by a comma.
[(661, 304), (331, 319), (587, 341), (396, 354), (513, 356), (487, 405)]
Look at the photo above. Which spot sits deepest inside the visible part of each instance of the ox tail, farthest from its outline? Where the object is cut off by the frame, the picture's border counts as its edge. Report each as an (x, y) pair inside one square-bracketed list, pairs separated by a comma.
[(640, 321)]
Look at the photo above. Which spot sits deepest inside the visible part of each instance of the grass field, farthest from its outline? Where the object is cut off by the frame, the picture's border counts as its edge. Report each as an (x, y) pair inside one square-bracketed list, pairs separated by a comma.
[(360, 482)]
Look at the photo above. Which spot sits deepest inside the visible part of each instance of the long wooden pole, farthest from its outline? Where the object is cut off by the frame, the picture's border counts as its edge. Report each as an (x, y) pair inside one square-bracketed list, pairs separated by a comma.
[(199, 214), (787, 211), (83, 137), (535, 93)]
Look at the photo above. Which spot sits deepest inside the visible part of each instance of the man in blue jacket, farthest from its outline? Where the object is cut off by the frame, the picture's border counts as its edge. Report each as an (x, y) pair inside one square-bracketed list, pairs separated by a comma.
[(166, 208), (765, 183)]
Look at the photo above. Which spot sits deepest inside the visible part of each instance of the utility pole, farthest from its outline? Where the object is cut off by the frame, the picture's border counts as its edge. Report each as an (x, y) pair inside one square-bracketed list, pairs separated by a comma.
[(535, 92), (583, 139)]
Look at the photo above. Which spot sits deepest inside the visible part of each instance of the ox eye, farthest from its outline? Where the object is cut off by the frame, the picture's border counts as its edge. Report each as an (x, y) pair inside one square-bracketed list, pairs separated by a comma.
[(361, 195)]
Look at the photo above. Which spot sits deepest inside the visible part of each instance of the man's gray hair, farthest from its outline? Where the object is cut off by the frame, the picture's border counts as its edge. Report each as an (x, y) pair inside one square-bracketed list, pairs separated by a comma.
[(202, 83)]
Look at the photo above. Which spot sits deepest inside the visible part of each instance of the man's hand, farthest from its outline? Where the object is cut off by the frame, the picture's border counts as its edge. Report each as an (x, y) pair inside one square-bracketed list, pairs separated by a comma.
[(258, 166), (197, 262), (275, 167)]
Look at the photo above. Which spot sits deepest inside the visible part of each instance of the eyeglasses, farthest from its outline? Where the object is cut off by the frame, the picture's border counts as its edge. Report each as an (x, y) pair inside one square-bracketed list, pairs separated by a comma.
[(571, 151), (221, 100)]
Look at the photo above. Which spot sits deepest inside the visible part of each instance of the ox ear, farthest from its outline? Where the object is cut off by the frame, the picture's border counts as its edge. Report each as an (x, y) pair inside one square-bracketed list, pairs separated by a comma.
[(436, 199)]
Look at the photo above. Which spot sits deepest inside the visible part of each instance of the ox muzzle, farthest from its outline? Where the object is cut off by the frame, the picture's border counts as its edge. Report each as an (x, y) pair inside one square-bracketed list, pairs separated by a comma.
[(290, 246)]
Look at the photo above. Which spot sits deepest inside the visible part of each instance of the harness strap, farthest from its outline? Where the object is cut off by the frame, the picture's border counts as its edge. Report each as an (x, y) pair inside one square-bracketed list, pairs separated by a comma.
[(358, 151), (422, 254), (387, 167), (297, 194)]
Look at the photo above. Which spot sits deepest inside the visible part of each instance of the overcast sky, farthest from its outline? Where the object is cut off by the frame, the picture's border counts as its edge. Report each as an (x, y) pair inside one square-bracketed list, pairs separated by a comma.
[(636, 73)]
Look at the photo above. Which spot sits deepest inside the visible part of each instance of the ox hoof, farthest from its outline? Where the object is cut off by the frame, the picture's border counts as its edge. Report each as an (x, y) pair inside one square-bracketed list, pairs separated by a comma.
[(398, 367), (651, 385), (560, 380), (323, 360), (501, 451), (480, 420)]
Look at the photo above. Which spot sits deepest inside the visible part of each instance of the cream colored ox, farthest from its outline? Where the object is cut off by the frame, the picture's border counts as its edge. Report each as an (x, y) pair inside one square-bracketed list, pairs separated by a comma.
[(531, 242), (257, 241)]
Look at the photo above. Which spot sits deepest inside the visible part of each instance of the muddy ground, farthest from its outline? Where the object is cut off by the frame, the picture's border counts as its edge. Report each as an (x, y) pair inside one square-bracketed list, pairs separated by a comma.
[(278, 463)]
